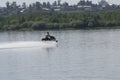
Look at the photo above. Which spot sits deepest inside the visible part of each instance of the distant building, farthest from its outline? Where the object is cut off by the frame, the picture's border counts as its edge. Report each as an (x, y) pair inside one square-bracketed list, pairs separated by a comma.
[(46, 9), (84, 5), (56, 8), (57, 5)]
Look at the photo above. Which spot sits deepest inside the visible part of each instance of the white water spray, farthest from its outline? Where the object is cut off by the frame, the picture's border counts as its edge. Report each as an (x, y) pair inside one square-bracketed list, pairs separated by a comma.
[(28, 44)]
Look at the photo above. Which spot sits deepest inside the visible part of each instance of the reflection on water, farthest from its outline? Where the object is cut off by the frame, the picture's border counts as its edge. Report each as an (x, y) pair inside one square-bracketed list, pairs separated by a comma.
[(80, 55)]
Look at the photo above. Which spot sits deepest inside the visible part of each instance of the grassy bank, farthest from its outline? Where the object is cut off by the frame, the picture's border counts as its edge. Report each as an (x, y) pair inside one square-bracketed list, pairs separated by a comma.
[(53, 21)]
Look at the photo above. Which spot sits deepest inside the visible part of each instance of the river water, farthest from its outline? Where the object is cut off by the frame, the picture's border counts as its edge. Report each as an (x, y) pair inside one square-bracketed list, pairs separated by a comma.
[(78, 55)]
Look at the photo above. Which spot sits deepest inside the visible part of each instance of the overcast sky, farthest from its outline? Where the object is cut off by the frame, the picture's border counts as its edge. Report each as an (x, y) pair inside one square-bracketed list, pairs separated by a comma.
[(2, 2)]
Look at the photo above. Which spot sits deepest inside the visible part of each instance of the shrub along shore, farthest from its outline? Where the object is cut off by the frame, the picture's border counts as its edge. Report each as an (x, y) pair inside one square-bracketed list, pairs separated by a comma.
[(59, 20)]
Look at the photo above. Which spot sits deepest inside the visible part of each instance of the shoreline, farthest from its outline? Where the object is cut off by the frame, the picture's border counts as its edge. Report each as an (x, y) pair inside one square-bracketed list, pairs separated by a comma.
[(97, 28)]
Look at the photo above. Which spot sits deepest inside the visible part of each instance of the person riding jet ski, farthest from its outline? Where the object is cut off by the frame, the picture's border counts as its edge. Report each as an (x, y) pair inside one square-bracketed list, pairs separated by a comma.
[(48, 37)]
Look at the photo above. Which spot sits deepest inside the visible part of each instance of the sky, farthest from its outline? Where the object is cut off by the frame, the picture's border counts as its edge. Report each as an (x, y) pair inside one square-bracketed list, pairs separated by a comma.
[(2, 2)]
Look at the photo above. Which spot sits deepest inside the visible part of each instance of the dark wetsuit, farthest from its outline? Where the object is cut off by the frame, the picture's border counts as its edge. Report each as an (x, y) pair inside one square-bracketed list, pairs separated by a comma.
[(48, 37)]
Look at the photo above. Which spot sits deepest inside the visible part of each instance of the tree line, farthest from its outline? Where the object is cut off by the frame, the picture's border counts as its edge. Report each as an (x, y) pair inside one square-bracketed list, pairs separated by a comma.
[(83, 5), (54, 20)]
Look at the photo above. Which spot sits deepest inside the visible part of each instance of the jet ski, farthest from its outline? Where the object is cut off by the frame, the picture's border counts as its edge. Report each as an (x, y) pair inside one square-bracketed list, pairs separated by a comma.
[(51, 38)]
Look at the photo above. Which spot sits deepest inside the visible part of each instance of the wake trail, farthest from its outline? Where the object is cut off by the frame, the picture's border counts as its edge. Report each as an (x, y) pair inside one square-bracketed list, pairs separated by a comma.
[(27, 44)]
